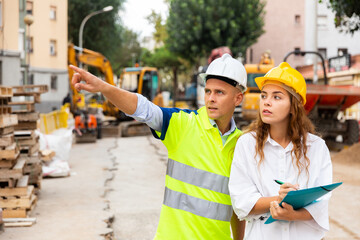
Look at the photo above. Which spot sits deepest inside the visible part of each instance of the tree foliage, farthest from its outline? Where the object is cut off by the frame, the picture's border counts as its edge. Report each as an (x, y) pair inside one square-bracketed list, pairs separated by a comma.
[(195, 27), (101, 32), (347, 14), (160, 33), (104, 32)]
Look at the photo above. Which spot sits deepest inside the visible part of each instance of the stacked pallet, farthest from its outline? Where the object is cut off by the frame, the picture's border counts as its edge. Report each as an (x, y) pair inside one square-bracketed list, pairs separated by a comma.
[(13, 183), (23, 104), (20, 164)]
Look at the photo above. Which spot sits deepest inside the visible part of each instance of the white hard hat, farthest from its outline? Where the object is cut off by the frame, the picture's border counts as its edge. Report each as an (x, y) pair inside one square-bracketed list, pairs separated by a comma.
[(227, 69)]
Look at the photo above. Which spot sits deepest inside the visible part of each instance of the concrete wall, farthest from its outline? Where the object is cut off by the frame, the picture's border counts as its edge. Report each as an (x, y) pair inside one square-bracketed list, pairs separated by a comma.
[(282, 33), (53, 98), (10, 68)]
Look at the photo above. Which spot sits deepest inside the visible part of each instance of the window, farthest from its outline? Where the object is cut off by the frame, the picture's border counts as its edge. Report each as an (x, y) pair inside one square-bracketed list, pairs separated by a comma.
[(53, 47), (297, 19), (31, 79), (29, 7), (29, 44), (53, 82), (322, 21), (322, 51), (52, 12), (342, 51)]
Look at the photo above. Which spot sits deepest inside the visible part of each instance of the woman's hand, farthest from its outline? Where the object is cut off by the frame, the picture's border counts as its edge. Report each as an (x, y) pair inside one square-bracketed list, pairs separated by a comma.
[(285, 188), (286, 212)]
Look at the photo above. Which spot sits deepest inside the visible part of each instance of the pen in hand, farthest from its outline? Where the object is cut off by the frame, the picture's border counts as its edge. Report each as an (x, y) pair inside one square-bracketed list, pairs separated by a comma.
[(279, 182)]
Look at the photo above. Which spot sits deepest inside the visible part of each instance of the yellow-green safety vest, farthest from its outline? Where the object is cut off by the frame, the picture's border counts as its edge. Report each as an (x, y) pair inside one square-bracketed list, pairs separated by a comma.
[(196, 203)]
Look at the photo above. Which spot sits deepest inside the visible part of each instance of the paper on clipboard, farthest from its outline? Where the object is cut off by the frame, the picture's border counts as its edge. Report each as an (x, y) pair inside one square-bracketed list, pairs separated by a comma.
[(301, 198)]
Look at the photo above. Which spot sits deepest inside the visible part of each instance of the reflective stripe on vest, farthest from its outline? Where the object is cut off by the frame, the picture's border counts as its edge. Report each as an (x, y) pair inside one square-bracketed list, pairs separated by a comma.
[(197, 177), (197, 206)]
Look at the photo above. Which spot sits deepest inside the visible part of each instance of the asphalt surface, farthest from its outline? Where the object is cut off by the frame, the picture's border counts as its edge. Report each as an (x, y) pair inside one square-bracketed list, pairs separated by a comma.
[(116, 188)]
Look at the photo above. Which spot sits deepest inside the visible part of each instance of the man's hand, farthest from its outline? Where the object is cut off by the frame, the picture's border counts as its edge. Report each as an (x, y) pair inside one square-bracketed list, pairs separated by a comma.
[(92, 83)]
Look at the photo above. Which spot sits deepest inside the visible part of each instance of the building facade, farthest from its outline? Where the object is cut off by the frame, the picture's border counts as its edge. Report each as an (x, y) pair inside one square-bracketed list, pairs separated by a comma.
[(288, 27), (34, 47)]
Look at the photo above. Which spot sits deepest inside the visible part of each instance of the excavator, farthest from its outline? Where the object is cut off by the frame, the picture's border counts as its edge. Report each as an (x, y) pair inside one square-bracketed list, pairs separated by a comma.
[(143, 80)]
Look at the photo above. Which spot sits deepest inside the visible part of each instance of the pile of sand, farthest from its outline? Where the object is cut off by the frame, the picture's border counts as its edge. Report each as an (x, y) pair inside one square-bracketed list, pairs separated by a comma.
[(348, 155)]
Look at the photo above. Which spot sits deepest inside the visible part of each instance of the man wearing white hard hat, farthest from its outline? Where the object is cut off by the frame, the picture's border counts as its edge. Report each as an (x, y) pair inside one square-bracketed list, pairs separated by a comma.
[(200, 147)]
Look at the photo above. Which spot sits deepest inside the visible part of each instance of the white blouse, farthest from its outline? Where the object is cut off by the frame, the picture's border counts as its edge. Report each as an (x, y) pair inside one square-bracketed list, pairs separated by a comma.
[(248, 183)]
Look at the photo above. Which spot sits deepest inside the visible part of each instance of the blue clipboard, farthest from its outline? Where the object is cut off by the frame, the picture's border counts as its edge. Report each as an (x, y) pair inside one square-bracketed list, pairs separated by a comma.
[(301, 198)]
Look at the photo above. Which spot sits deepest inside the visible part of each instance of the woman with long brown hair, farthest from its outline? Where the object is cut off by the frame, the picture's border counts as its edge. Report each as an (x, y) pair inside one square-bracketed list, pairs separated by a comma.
[(280, 145)]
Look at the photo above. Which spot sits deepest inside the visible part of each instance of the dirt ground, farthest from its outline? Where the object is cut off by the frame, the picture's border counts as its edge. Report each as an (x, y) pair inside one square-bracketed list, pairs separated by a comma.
[(344, 204)]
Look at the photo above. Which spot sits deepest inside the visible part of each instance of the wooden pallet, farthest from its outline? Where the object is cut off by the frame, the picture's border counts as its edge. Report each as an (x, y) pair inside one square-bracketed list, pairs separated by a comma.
[(6, 140), (7, 120), (6, 92), (33, 168), (26, 90), (24, 134), (15, 172), (19, 189), (47, 155), (28, 117), (28, 142), (26, 138), (19, 222), (19, 212), (26, 126), (8, 163), (24, 201), (35, 158), (9, 153), (29, 150), (4, 106), (6, 130), (23, 107)]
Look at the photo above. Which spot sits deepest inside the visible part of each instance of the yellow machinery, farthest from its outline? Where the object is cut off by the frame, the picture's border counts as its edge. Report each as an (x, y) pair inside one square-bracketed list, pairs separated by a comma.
[(99, 61), (250, 104), (142, 80)]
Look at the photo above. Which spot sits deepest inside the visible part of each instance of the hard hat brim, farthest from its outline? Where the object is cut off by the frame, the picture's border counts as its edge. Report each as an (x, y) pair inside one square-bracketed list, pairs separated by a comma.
[(203, 76), (260, 82)]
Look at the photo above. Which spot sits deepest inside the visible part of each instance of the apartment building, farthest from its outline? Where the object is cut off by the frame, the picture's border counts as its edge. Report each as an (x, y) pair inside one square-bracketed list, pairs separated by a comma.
[(288, 26), (33, 42)]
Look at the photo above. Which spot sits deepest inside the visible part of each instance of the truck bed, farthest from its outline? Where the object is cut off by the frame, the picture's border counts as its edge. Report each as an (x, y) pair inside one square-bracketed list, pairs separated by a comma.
[(331, 96)]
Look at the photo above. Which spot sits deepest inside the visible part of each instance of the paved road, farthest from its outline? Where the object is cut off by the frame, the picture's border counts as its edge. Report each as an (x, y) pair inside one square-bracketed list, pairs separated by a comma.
[(123, 179)]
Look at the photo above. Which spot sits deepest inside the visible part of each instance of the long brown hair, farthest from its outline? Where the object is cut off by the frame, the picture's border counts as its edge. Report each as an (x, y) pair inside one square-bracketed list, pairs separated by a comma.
[(299, 126)]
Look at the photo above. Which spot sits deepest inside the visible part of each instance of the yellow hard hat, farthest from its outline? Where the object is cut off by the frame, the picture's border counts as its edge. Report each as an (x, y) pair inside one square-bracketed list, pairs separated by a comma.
[(288, 76)]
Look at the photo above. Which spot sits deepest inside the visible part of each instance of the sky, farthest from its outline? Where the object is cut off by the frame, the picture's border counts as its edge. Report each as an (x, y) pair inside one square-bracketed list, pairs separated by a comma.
[(135, 13)]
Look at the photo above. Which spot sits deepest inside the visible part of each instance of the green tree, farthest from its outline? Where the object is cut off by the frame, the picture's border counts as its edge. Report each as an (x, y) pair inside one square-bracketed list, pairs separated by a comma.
[(102, 33), (128, 51), (195, 27), (347, 14), (167, 61), (160, 33)]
